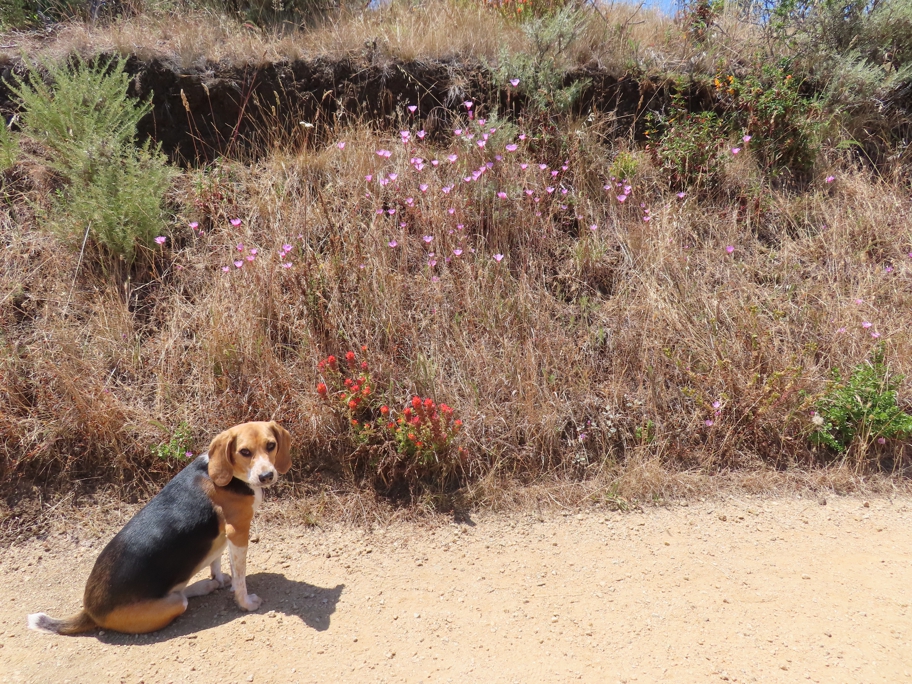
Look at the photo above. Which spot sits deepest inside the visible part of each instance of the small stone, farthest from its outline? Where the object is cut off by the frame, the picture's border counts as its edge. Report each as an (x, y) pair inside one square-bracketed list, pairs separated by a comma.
[(723, 518), (866, 504), (250, 678), (822, 501), (805, 577)]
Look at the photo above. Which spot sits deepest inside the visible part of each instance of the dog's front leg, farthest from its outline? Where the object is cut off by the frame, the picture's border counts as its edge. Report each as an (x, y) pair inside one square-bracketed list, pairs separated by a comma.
[(238, 558)]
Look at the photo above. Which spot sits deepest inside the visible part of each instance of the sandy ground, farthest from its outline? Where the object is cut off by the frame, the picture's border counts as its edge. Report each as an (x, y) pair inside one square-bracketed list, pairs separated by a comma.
[(741, 590)]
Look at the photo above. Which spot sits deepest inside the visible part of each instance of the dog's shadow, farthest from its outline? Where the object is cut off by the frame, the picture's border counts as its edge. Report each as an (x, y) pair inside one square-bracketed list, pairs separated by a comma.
[(289, 598)]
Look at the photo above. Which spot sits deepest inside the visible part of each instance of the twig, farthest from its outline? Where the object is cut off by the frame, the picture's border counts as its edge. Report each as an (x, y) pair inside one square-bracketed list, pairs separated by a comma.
[(76, 274)]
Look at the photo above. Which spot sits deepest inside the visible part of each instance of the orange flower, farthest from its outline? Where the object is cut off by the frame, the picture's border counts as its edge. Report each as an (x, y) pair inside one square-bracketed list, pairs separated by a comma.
[(321, 389), (416, 402), (384, 410)]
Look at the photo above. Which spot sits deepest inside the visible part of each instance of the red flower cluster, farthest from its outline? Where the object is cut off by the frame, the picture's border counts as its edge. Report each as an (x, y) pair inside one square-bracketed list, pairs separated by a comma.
[(423, 430), (424, 425), (349, 389)]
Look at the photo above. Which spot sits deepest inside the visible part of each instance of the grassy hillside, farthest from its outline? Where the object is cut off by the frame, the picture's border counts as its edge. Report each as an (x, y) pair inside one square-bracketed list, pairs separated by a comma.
[(713, 275)]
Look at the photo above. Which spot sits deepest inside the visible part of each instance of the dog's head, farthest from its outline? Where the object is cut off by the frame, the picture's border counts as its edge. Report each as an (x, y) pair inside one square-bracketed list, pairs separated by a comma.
[(255, 453)]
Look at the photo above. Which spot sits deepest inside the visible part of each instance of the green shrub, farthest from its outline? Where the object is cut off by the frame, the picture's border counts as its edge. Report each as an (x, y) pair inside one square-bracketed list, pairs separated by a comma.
[(16, 14), (87, 123), (689, 150), (541, 69), (699, 16), (784, 123), (9, 147), (863, 407), (624, 166)]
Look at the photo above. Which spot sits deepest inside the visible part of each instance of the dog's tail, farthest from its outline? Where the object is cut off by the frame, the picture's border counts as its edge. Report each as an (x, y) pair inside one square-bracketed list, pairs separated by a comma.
[(42, 622)]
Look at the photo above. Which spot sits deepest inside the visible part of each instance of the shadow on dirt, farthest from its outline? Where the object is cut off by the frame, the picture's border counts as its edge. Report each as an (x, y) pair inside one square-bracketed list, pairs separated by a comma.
[(288, 598)]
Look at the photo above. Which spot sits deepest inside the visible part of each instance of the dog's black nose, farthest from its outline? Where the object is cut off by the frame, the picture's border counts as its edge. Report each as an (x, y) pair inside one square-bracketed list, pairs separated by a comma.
[(267, 477)]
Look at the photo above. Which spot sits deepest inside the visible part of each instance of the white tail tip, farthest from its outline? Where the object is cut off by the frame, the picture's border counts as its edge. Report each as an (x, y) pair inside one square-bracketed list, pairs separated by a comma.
[(42, 622)]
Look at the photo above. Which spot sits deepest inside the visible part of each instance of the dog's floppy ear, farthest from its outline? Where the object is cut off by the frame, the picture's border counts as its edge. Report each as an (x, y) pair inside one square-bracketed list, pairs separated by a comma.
[(221, 458), (283, 453)]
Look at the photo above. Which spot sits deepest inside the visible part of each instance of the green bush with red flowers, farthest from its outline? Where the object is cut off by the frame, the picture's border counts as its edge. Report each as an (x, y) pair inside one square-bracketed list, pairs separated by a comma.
[(413, 446)]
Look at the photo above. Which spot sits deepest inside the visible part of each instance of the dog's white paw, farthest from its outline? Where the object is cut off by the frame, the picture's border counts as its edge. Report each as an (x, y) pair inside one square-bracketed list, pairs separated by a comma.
[(212, 585), (249, 602), (222, 579)]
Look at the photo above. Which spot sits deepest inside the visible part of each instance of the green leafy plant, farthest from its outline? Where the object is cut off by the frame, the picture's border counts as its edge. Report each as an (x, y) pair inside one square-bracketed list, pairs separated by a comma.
[(784, 124), (688, 152), (861, 408), (624, 166), (87, 124), (178, 447)]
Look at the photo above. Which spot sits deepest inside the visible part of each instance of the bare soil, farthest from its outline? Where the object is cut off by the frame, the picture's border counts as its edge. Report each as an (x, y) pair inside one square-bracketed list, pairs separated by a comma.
[(741, 589)]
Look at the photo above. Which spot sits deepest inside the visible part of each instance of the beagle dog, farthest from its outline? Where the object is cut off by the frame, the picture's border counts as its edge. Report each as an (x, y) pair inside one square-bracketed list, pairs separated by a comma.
[(139, 582)]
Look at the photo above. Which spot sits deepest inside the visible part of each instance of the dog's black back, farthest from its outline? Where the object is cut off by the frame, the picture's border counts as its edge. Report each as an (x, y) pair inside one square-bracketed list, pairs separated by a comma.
[(161, 547)]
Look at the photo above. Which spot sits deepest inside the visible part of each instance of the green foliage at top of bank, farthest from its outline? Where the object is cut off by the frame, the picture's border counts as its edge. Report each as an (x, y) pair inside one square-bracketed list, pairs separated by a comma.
[(86, 124)]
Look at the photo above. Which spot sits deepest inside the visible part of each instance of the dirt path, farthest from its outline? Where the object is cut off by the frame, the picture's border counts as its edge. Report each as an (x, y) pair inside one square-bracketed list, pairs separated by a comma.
[(751, 589)]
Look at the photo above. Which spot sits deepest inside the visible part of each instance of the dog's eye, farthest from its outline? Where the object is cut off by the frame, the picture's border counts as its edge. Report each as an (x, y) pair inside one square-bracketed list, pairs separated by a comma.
[(245, 453), (270, 446)]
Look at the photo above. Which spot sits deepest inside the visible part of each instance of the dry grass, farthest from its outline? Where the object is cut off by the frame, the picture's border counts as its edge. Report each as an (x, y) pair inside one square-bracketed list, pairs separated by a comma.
[(641, 360), (582, 352), (619, 37)]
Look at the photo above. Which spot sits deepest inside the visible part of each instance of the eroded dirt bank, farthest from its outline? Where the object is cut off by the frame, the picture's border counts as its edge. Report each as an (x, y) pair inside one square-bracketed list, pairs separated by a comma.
[(746, 589), (217, 109)]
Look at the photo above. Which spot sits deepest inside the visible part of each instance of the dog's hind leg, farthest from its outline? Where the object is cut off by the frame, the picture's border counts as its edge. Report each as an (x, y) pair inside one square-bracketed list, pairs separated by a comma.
[(201, 588), (145, 616)]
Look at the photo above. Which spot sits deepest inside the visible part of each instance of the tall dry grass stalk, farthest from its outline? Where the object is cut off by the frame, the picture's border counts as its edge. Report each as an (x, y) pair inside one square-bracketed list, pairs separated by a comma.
[(695, 340)]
